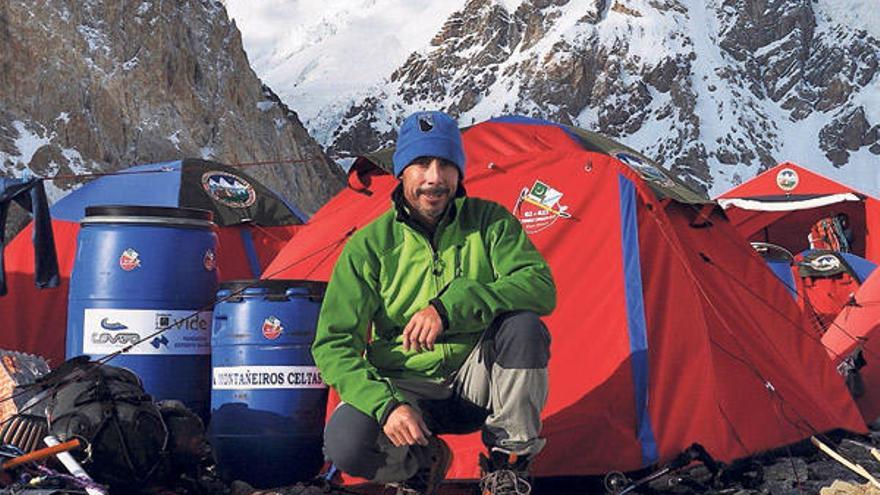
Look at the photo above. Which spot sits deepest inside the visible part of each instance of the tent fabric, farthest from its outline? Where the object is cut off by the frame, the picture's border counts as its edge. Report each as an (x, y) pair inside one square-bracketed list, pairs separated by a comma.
[(779, 260), (661, 181), (858, 266), (823, 298), (30, 194), (786, 205), (781, 204), (231, 195), (783, 272), (824, 291), (863, 268), (250, 234), (35, 320), (667, 331), (857, 326)]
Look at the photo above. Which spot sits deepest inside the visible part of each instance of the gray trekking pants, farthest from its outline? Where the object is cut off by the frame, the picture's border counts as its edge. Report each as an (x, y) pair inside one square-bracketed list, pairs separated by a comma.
[(501, 388)]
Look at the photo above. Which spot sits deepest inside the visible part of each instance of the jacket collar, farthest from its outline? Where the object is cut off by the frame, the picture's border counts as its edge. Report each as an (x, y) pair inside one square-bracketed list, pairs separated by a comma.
[(403, 211)]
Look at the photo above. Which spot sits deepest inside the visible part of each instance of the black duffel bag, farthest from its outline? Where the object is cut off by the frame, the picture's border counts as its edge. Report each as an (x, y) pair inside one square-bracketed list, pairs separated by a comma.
[(107, 408)]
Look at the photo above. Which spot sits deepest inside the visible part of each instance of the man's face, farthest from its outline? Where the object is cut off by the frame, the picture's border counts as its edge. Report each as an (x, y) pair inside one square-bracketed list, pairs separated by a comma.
[(429, 184)]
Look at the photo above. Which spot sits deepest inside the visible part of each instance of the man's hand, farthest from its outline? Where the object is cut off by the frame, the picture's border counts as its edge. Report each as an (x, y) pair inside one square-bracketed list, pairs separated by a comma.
[(405, 426), (422, 330)]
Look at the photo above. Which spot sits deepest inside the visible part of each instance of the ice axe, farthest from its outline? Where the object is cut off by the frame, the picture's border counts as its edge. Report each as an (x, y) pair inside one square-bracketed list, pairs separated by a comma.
[(618, 484), (75, 469), (39, 454)]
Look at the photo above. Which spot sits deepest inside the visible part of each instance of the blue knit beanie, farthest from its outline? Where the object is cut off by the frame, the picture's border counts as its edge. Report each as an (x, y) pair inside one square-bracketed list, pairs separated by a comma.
[(428, 134)]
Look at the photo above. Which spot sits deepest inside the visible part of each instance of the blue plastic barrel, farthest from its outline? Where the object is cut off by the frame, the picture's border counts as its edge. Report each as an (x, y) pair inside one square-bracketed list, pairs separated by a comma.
[(138, 270), (268, 400)]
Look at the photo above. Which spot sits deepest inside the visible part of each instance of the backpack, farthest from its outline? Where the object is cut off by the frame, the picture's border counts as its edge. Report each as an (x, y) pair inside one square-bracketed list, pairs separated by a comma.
[(830, 233), (106, 407)]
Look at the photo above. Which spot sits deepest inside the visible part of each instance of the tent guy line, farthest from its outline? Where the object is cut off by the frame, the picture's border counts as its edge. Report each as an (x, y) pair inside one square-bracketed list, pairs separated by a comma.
[(772, 390), (800, 421), (126, 171), (795, 290)]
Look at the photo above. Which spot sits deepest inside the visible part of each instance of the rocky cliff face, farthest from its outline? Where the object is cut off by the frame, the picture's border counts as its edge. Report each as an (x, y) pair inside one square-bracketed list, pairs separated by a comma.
[(99, 85), (716, 90)]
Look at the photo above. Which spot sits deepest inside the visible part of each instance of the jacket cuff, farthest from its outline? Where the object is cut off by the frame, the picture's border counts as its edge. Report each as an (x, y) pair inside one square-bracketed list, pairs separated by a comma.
[(441, 310), (390, 406)]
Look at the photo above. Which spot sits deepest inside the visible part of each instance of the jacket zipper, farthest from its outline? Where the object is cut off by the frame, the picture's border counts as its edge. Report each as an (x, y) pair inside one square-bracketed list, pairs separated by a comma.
[(436, 261), (436, 271), (436, 267)]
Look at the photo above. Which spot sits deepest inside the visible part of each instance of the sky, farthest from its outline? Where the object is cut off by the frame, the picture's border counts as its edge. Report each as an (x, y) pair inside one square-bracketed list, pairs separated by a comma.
[(320, 54)]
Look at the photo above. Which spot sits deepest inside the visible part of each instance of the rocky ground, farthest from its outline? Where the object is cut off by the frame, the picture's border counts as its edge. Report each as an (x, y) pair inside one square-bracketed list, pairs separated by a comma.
[(795, 470)]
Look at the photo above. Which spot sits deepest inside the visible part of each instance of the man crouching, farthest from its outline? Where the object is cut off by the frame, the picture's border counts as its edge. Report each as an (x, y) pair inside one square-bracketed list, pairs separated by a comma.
[(448, 288)]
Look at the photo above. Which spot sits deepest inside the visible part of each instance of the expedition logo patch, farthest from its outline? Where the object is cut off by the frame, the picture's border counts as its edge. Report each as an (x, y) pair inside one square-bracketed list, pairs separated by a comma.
[(787, 179), (228, 189), (538, 207)]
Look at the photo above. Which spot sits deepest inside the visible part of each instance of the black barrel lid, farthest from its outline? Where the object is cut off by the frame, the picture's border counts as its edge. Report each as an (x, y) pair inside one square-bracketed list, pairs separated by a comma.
[(276, 287), (148, 211)]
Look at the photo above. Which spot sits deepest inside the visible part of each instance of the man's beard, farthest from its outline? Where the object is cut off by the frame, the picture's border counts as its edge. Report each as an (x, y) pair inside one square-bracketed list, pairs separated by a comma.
[(442, 190), (434, 213)]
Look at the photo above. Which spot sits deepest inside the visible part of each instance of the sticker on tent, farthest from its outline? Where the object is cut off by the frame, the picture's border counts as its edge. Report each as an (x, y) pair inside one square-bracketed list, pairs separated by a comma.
[(538, 207), (825, 263), (787, 179), (228, 189)]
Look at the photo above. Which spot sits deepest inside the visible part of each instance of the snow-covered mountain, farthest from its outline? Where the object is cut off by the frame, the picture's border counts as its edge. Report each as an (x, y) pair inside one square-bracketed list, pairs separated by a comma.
[(716, 90), (92, 86)]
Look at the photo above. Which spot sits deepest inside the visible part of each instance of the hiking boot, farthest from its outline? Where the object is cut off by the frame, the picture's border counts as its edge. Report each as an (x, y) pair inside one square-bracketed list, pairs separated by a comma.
[(428, 479), (504, 474)]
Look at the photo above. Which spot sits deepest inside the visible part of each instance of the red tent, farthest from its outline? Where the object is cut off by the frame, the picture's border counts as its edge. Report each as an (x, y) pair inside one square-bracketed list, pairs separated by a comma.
[(781, 205), (857, 329), (253, 222), (668, 329)]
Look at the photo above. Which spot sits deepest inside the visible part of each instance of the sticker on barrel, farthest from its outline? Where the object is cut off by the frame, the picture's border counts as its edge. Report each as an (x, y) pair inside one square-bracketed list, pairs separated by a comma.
[(272, 328), (210, 260), (147, 331), (129, 260), (262, 377)]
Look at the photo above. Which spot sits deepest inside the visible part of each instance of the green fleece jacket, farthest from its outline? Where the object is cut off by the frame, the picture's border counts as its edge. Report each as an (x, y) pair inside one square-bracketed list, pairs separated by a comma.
[(477, 264)]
